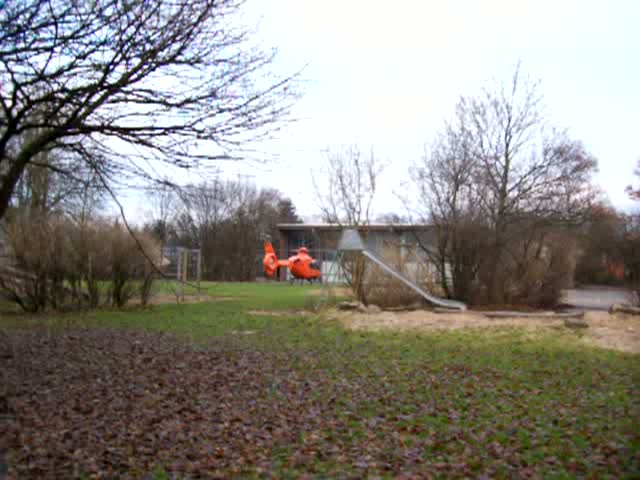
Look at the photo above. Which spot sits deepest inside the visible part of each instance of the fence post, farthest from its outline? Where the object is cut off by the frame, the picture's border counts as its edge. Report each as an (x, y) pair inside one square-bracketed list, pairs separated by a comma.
[(185, 259), (179, 287), (199, 270)]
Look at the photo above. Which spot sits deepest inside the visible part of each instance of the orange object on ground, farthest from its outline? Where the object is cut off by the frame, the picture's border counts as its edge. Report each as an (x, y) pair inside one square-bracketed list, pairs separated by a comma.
[(301, 265)]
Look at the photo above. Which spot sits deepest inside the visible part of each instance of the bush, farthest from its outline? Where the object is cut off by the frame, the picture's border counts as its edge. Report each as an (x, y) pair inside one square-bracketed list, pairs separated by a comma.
[(131, 274), (533, 276), (40, 247), (629, 250), (57, 263), (386, 291)]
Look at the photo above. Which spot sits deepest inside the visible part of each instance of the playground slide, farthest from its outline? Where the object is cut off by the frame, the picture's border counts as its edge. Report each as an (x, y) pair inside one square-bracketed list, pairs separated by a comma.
[(430, 298)]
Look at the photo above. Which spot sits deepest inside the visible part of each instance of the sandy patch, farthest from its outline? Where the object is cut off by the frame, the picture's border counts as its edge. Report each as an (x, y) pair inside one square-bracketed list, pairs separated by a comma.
[(619, 332)]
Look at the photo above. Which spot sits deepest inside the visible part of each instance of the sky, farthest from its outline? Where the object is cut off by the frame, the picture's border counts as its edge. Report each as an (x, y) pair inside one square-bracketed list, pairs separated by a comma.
[(385, 75)]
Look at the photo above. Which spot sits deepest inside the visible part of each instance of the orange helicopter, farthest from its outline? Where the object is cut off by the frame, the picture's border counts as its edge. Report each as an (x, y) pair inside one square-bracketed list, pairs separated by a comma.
[(301, 265)]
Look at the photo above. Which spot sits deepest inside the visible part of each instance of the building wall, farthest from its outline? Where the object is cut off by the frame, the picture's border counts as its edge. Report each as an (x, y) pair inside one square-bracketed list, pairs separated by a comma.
[(322, 242), (325, 239)]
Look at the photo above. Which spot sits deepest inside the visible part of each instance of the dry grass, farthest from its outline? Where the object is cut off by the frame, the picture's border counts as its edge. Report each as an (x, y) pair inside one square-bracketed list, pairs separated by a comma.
[(618, 332)]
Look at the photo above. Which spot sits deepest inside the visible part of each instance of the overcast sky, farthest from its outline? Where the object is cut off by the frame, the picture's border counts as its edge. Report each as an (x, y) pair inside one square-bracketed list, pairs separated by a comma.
[(386, 74)]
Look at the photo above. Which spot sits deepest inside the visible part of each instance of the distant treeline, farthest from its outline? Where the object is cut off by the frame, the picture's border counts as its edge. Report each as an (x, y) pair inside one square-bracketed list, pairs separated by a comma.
[(228, 220)]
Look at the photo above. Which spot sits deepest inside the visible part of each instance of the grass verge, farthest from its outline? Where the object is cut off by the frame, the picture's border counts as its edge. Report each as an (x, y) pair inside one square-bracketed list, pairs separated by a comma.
[(243, 394)]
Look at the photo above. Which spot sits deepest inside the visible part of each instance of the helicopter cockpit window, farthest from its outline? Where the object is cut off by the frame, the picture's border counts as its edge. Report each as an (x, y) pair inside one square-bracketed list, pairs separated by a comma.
[(314, 265)]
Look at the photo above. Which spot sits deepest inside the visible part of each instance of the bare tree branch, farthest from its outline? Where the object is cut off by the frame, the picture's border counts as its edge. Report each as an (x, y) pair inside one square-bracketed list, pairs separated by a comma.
[(349, 187), (177, 79), (495, 183)]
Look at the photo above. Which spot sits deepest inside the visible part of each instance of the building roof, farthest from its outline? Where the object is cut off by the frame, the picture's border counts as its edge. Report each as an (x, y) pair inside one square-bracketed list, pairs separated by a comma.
[(371, 226)]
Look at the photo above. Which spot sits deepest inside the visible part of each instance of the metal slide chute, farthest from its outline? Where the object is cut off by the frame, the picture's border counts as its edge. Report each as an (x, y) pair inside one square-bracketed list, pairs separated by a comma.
[(352, 242)]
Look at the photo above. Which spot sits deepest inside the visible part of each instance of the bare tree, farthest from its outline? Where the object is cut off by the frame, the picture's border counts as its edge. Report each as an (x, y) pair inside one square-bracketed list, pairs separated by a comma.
[(392, 218), (229, 220), (501, 170), (346, 199), (119, 83), (208, 205), (449, 200), (164, 206), (530, 174), (349, 187), (42, 188), (601, 237), (630, 244)]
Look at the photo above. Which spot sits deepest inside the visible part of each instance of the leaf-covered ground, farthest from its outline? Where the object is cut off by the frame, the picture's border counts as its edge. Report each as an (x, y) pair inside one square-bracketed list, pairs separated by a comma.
[(287, 397)]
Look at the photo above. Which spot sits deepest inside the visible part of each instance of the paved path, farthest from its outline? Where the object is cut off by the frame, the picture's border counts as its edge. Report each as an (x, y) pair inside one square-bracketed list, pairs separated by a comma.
[(596, 297)]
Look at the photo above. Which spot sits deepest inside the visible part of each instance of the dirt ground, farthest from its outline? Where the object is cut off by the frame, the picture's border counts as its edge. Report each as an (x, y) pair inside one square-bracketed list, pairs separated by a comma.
[(618, 332)]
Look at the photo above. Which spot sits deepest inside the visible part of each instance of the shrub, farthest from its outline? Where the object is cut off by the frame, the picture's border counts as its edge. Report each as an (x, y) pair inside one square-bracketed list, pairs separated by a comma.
[(130, 271), (386, 291), (40, 249), (533, 273), (55, 262)]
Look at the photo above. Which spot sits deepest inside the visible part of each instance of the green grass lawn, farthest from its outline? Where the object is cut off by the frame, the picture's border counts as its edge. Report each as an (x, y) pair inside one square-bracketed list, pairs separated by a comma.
[(297, 394)]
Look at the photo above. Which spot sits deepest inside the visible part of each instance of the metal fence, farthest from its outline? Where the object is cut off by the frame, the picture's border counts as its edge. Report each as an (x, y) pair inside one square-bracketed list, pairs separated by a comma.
[(184, 267)]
